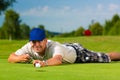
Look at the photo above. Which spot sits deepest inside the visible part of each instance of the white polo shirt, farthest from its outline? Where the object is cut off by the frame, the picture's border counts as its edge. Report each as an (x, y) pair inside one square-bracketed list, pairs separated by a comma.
[(53, 48)]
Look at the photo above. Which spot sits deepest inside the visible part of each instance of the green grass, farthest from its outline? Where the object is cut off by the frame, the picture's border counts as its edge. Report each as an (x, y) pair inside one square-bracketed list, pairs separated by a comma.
[(87, 71)]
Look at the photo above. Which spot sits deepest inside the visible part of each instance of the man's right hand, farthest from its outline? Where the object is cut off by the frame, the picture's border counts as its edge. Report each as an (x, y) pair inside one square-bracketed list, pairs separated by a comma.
[(13, 58)]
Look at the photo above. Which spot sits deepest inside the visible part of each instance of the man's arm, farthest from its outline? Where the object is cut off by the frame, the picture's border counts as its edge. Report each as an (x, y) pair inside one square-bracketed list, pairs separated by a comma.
[(56, 60), (13, 58)]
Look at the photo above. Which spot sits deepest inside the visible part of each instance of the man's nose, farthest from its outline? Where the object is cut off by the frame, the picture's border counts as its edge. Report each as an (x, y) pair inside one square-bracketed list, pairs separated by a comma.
[(36, 43)]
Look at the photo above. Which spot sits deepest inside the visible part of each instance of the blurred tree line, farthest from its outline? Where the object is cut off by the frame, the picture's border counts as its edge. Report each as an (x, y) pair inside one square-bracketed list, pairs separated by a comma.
[(12, 28), (110, 27)]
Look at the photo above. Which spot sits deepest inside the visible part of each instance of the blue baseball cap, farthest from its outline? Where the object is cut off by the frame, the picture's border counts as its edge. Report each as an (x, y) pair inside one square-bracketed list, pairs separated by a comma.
[(37, 34)]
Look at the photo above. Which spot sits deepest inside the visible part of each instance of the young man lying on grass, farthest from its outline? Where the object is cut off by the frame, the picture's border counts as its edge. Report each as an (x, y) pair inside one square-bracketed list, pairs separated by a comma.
[(49, 53)]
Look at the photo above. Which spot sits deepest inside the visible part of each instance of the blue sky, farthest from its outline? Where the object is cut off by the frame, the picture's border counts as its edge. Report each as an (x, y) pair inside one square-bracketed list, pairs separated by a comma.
[(64, 15)]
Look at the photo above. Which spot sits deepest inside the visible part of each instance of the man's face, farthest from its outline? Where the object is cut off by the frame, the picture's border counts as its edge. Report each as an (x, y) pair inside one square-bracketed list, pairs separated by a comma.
[(39, 46)]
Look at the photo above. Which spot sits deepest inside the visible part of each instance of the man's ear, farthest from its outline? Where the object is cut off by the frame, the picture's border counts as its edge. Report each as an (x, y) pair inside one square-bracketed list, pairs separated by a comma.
[(45, 39)]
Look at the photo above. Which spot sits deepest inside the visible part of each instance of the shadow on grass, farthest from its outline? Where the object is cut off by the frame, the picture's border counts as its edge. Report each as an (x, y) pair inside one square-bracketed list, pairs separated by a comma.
[(40, 70)]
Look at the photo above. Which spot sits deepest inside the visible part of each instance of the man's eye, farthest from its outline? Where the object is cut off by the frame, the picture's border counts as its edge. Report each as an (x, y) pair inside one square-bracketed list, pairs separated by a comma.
[(34, 41)]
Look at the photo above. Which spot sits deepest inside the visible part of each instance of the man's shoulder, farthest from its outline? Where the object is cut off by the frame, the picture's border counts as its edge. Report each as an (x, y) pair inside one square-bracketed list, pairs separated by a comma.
[(51, 42), (27, 45)]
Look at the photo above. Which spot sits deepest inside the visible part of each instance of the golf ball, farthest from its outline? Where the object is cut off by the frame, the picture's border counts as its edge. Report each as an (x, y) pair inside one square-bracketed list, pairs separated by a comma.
[(37, 65)]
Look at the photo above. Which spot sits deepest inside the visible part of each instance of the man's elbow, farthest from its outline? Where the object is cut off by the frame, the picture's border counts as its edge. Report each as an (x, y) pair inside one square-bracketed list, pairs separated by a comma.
[(11, 58)]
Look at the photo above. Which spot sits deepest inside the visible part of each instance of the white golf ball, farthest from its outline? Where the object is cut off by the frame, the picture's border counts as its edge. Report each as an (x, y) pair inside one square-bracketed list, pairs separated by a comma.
[(37, 65)]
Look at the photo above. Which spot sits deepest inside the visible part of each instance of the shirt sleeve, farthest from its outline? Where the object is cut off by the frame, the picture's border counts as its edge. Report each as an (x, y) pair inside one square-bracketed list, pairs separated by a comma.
[(23, 50), (58, 50)]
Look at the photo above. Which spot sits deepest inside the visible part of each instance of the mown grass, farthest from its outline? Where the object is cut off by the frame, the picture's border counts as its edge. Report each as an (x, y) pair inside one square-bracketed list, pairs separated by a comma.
[(87, 71)]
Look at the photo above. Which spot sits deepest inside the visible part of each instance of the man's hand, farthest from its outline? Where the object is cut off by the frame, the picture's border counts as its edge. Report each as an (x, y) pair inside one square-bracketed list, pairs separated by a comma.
[(24, 58), (40, 62), (13, 58), (56, 60)]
